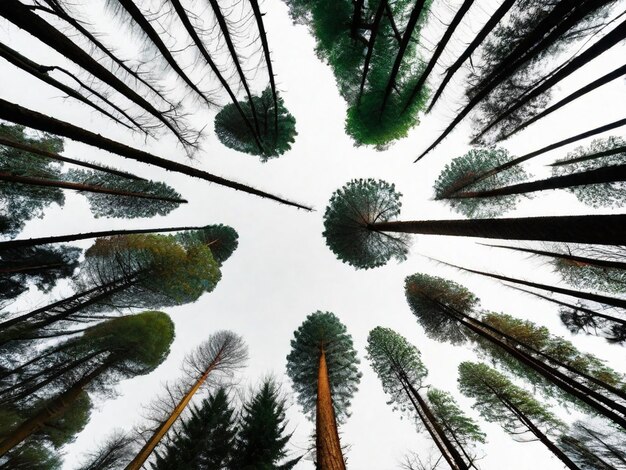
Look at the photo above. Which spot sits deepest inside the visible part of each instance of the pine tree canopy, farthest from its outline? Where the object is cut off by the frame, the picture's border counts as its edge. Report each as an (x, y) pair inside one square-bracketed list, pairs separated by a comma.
[(474, 163), (433, 300), (595, 445), (221, 239), (464, 429), (323, 330), (232, 131), (348, 215)]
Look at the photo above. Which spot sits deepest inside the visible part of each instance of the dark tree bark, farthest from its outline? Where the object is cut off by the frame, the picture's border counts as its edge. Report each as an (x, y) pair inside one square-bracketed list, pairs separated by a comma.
[(608, 174), (60, 158), (80, 187), (370, 47), (406, 37), (4, 245), (17, 114), (591, 156), (469, 50), (22, 16), (609, 77), (574, 229), (441, 45), (599, 47)]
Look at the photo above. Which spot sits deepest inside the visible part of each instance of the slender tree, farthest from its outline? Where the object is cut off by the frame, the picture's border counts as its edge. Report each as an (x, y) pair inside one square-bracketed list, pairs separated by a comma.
[(35, 120), (322, 365), (595, 445), (500, 401), (359, 231), (124, 347), (401, 371), (221, 355), (111, 454)]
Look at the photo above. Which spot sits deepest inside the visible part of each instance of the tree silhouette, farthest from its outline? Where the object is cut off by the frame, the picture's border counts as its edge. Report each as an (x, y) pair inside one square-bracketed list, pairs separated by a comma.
[(322, 365), (594, 445)]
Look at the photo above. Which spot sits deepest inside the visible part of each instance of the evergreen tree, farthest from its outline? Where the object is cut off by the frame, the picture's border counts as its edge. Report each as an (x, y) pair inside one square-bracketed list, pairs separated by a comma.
[(29, 456), (204, 440), (322, 365), (595, 446), (261, 439), (500, 401)]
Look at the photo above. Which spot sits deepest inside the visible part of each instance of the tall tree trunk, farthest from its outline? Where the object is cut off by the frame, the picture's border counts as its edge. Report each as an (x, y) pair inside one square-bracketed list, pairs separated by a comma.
[(591, 156), (382, 5), (574, 228), (60, 158), (564, 16), (406, 38), (268, 61), (223, 25), (22, 16), (609, 77), (81, 187), (605, 175), (602, 45), (145, 25), (5, 245), (601, 263), (329, 455), (441, 45), (22, 269), (41, 72), (19, 115), (55, 409), (541, 151), (161, 431), (182, 14)]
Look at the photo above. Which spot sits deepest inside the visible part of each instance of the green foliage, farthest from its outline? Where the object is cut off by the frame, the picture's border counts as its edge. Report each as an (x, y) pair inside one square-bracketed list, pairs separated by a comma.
[(29, 456), (221, 239), (454, 421), (43, 266), (497, 397), (20, 202), (610, 195), (436, 302), (323, 330), (261, 439), (347, 224), (475, 163), (127, 207), (232, 131), (395, 361), (595, 446), (64, 429), (586, 276), (205, 440)]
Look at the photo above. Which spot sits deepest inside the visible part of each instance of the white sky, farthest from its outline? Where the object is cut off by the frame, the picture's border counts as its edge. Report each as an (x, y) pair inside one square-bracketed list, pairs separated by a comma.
[(283, 271)]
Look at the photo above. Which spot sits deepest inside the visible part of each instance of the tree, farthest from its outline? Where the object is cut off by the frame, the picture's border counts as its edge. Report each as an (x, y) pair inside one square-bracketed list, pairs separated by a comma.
[(357, 226), (106, 353), (204, 440), (594, 445), (323, 367), (112, 454), (477, 161), (222, 240), (31, 455), (219, 357), (402, 372), (42, 266), (261, 438), (232, 131), (500, 401)]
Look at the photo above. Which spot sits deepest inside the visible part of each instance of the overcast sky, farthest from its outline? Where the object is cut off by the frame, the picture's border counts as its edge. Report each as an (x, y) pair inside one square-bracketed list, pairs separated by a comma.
[(282, 270)]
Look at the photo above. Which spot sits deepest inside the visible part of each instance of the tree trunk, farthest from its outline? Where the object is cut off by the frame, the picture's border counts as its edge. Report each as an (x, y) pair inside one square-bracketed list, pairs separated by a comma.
[(598, 48), (9, 244), (21, 16), (478, 40), (609, 77), (56, 408), (81, 187), (605, 175), (41, 72), (591, 156), (574, 229), (60, 158), (441, 45), (19, 115), (558, 21), (406, 37), (329, 455), (370, 47), (23, 269), (541, 151), (161, 431), (601, 263)]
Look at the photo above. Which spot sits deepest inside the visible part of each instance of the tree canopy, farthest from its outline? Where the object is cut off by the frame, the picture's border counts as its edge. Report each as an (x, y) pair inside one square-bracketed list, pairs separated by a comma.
[(221, 239)]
